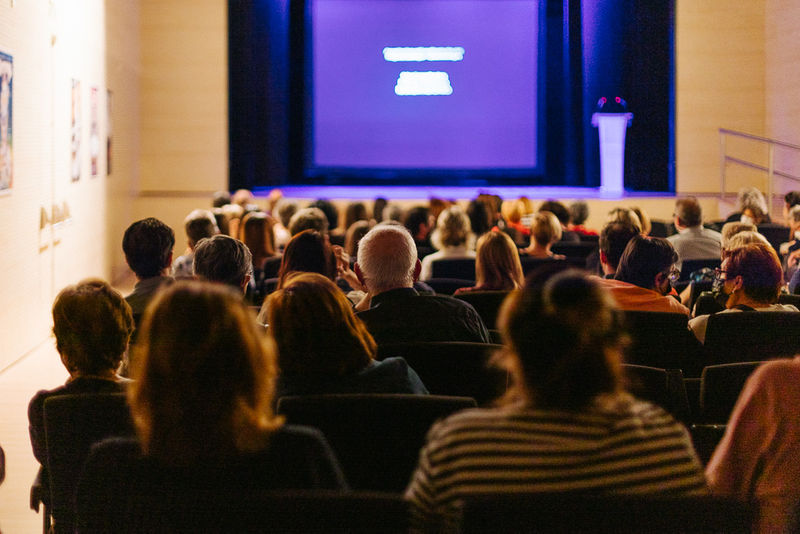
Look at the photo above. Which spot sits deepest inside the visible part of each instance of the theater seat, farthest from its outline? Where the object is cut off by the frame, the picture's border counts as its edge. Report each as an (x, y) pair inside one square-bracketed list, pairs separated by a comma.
[(486, 303), (447, 286), (376, 437), (751, 335), (720, 386), (663, 387), (662, 340), (453, 367)]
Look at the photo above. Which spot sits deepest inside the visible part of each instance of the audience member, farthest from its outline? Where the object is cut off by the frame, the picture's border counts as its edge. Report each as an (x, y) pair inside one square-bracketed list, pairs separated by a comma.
[(750, 279), (220, 199), (578, 213), (354, 233), (751, 207), (147, 245), (308, 219), (567, 424), (256, 234), (324, 348), (644, 276), (545, 231), (643, 219), (497, 265), (625, 216), (307, 252), (562, 214), (393, 212), (452, 237), (757, 458), (693, 241), (356, 211), (377, 209), (198, 224), (92, 325), (224, 260), (233, 215), (284, 210), (614, 237), (419, 224), (512, 212), (479, 217), (243, 198), (331, 214), (730, 229), (201, 405), (387, 267)]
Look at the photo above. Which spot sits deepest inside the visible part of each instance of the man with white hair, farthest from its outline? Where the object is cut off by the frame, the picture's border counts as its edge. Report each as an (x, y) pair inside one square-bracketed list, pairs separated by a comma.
[(387, 266)]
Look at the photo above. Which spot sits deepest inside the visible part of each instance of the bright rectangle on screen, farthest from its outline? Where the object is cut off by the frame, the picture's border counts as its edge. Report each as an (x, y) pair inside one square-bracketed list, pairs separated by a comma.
[(447, 84)]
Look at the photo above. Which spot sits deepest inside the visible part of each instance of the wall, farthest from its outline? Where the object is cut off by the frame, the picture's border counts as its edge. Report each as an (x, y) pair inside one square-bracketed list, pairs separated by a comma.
[(719, 82), (36, 262), (782, 36)]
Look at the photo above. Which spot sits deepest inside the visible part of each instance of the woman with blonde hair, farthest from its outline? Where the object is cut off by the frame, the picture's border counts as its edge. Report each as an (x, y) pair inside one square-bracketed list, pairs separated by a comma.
[(545, 231), (566, 425), (201, 405), (497, 265), (324, 348), (452, 237)]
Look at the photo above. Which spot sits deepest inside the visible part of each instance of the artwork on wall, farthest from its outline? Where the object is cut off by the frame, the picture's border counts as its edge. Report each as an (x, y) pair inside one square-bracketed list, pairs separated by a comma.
[(94, 131), (75, 163), (6, 143), (108, 132)]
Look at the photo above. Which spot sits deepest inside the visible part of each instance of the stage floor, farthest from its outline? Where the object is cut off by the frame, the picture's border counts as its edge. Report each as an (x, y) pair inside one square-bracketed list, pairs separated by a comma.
[(416, 192)]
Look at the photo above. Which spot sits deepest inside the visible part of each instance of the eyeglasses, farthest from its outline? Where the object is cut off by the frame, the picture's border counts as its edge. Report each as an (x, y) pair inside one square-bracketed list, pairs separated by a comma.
[(719, 279), (674, 275)]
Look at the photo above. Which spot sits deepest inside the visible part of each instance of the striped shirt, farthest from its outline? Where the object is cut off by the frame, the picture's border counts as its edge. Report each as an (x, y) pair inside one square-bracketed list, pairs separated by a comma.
[(621, 446)]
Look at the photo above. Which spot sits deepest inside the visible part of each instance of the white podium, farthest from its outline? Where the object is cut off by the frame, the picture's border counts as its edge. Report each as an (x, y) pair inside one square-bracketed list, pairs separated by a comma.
[(612, 128)]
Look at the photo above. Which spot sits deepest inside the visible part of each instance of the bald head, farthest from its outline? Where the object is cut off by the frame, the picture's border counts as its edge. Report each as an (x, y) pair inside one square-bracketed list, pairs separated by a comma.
[(387, 258)]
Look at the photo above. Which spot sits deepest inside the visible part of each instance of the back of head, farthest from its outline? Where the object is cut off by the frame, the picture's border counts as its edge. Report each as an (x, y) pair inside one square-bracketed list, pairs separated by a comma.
[(614, 237), (307, 252), (378, 207), (203, 376), (330, 211), (479, 217), (308, 219), (512, 211), (393, 212), (92, 324), (625, 216), (256, 233), (732, 228), (220, 199), (793, 215), (760, 269), (200, 224), (689, 212), (792, 198), (286, 208), (745, 238), (647, 226), (223, 259), (453, 229), (751, 198), (563, 342), (356, 211), (578, 212), (387, 257), (242, 197), (545, 228), (354, 233), (643, 259), (148, 247), (315, 330), (497, 264), (558, 209), (416, 216)]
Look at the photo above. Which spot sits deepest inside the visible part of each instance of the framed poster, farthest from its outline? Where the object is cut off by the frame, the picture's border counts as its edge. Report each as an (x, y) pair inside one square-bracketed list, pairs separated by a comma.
[(75, 129), (94, 131), (6, 108)]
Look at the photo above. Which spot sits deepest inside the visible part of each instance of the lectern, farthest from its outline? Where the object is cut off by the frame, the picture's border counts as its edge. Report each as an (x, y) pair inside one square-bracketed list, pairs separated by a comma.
[(612, 128)]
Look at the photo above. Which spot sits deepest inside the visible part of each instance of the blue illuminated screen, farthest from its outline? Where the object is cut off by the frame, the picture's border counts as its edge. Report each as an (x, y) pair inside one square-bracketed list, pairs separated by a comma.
[(429, 84)]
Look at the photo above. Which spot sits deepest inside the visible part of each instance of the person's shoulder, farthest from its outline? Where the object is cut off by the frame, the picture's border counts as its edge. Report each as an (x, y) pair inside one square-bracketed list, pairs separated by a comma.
[(777, 371)]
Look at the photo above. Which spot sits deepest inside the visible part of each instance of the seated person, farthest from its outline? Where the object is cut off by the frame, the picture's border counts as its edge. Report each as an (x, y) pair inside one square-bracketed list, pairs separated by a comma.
[(393, 310), (147, 245), (324, 348), (545, 231), (199, 224), (750, 279), (567, 423), (644, 277), (201, 405), (693, 241), (578, 213), (757, 458), (614, 238), (452, 237), (92, 324), (562, 214), (224, 260), (497, 265)]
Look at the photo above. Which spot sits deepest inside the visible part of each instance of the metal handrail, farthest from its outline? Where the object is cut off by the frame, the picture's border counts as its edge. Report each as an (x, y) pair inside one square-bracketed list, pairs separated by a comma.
[(769, 168)]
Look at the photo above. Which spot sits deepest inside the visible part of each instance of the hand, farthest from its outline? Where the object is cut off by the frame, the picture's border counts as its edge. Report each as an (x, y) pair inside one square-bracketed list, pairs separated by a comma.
[(343, 269)]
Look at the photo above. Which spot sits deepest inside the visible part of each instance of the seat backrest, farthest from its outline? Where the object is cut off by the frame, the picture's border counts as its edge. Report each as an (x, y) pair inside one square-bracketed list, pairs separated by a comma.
[(272, 266), (690, 266), (745, 336), (663, 387), (706, 304), (720, 386), (661, 228), (286, 511), (376, 437), (662, 340), (604, 514), (530, 264), (785, 298), (453, 367), (486, 303), (775, 233), (73, 423), (447, 286), (461, 268), (574, 249)]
